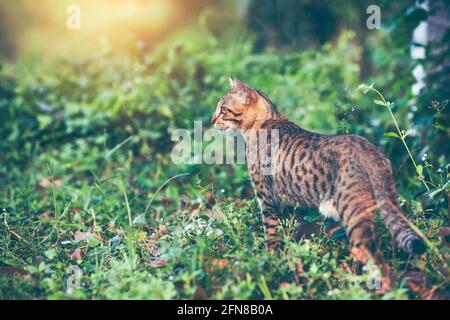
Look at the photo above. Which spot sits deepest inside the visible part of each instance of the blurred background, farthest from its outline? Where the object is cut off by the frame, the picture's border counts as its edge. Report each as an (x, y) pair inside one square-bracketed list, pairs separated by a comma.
[(142, 68), (87, 113)]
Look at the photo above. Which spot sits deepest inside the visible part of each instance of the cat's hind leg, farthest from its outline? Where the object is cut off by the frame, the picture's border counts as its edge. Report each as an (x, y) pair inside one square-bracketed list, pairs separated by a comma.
[(357, 206)]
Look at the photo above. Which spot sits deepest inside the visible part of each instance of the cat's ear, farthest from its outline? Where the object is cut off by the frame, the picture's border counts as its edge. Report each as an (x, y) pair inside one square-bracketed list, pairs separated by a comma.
[(231, 80), (236, 83), (241, 88)]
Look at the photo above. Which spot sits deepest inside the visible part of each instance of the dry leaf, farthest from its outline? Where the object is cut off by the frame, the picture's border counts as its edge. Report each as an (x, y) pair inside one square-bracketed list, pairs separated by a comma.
[(162, 229), (158, 263), (76, 254), (214, 214), (45, 183), (210, 200), (220, 263), (299, 266), (80, 236)]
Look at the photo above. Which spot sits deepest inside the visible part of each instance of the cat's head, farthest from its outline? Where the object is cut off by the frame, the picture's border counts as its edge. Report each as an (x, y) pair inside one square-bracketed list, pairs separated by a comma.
[(241, 108)]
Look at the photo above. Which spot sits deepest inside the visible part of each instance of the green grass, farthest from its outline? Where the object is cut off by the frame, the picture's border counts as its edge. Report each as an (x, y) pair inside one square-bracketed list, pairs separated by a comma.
[(193, 241)]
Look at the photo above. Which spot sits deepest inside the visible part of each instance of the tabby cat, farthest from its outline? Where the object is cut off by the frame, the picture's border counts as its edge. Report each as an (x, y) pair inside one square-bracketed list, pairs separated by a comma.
[(344, 176)]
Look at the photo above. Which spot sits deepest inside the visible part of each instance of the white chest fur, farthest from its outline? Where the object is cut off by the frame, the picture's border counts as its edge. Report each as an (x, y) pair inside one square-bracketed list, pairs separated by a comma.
[(327, 209)]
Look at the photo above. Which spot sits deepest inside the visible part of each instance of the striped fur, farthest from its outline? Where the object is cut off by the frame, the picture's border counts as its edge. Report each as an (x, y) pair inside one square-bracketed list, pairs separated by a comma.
[(344, 176)]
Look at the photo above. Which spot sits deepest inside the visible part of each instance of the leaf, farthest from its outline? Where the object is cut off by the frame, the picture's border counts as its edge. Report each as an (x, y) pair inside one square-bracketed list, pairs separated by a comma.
[(264, 288), (380, 103), (158, 263), (392, 134), (313, 268), (162, 229), (366, 88), (92, 241), (165, 111), (76, 254), (139, 219), (80, 236), (300, 269), (311, 218), (419, 169), (220, 263), (435, 192), (11, 262), (50, 253), (45, 183)]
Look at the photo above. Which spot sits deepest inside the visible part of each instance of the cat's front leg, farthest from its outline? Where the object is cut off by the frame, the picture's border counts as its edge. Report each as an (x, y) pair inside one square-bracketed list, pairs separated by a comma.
[(271, 222)]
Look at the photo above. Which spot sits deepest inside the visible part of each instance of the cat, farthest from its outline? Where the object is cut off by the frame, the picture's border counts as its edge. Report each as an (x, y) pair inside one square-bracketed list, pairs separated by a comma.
[(345, 176)]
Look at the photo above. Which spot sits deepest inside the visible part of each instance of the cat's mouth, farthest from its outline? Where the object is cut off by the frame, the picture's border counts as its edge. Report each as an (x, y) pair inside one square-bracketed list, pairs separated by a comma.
[(220, 126), (224, 129)]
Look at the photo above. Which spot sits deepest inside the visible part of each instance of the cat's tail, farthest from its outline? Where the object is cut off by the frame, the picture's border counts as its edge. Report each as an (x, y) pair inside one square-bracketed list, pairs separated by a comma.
[(399, 226)]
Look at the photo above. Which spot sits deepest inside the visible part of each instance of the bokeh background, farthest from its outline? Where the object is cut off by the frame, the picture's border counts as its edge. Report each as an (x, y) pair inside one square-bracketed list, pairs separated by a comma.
[(88, 113)]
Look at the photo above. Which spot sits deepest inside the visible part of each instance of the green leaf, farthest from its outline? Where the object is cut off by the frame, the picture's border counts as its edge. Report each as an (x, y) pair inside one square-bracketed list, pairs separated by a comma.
[(92, 241), (12, 262), (380, 103), (165, 110), (366, 88), (419, 169), (435, 192), (392, 134), (50, 253)]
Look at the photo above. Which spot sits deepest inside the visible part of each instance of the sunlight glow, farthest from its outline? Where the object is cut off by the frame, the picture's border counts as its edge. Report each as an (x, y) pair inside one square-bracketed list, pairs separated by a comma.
[(122, 23)]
